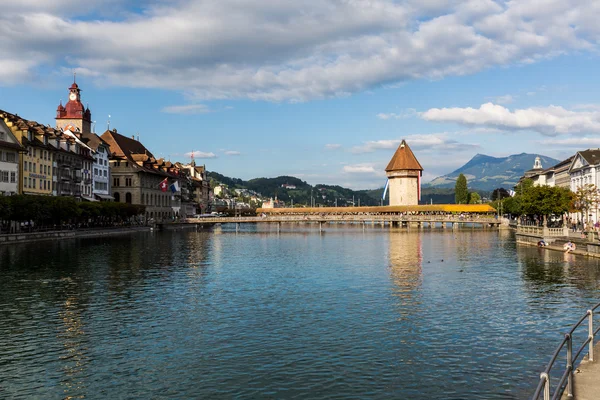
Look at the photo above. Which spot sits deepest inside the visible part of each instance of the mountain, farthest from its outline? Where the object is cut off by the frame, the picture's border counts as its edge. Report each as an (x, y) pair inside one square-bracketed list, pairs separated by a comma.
[(289, 188), (488, 173)]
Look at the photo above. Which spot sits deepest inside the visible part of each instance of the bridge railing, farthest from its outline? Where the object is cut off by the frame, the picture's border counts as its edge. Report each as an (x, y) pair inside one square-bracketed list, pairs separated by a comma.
[(566, 380)]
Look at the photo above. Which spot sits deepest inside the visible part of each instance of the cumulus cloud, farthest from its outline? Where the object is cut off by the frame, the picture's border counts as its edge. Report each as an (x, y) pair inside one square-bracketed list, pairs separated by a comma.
[(427, 142), (201, 154), (187, 109), (284, 50), (550, 121), (232, 153), (333, 146)]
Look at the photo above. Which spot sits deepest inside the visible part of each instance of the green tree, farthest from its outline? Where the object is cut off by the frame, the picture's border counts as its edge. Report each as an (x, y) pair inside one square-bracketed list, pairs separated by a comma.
[(546, 200), (586, 198), (461, 191), (474, 198)]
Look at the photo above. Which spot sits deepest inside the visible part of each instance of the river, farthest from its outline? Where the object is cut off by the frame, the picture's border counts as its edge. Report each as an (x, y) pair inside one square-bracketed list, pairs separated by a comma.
[(349, 313)]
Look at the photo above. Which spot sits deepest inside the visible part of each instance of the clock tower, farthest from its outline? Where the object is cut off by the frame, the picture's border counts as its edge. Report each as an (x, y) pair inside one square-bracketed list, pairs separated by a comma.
[(74, 115)]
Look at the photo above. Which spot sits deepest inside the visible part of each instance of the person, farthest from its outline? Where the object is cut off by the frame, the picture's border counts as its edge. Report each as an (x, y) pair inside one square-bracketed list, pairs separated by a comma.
[(569, 246), (542, 243)]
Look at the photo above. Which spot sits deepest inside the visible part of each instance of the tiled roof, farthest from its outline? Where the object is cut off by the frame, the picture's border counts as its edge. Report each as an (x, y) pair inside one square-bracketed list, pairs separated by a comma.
[(123, 146), (592, 156), (93, 140), (403, 159)]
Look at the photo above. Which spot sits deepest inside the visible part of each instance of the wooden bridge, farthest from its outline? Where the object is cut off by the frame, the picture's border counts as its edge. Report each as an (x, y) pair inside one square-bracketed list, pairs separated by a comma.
[(409, 221)]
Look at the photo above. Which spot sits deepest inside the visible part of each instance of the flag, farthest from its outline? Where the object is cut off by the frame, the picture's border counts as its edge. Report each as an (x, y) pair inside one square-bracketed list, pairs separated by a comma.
[(511, 193), (174, 187), (387, 183), (164, 185)]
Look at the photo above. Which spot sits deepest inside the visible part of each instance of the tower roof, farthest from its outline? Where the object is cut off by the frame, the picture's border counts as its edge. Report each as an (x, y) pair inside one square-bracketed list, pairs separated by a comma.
[(403, 159)]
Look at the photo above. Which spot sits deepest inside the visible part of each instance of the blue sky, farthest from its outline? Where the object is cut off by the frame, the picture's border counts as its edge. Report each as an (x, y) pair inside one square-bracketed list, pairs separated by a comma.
[(320, 89)]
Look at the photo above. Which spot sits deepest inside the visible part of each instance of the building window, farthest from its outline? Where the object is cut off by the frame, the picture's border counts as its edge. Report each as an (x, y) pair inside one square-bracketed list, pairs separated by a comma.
[(117, 197), (11, 157), (105, 173), (25, 166), (34, 183), (128, 197), (116, 182), (4, 176), (29, 182), (127, 181), (13, 177)]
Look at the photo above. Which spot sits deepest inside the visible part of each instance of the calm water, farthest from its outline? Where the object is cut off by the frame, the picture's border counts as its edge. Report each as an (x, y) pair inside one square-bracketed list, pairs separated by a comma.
[(344, 314)]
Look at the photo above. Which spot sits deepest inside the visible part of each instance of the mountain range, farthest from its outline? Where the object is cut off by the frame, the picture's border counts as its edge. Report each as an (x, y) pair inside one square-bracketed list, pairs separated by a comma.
[(486, 173)]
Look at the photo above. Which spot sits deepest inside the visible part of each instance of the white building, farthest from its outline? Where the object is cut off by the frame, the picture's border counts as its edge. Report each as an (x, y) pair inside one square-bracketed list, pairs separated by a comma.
[(100, 166), (585, 170), (9, 161)]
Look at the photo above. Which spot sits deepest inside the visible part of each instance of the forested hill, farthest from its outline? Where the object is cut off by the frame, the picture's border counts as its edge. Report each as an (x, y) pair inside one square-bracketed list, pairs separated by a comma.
[(327, 195)]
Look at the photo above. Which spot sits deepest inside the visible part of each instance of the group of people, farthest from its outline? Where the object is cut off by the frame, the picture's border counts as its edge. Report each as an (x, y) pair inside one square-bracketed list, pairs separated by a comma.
[(567, 247)]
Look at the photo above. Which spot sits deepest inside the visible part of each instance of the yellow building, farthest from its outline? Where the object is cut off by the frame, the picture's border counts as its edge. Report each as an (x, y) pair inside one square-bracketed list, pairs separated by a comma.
[(36, 167)]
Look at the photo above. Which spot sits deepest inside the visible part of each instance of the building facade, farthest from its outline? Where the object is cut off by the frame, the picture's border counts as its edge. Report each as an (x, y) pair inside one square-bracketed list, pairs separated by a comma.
[(138, 178), (9, 161)]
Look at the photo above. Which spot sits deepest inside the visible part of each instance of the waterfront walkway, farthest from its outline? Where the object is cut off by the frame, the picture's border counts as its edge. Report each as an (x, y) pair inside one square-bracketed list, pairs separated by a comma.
[(586, 379)]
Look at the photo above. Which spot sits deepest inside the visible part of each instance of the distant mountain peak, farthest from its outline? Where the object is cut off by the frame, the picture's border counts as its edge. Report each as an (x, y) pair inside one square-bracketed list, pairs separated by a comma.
[(488, 173)]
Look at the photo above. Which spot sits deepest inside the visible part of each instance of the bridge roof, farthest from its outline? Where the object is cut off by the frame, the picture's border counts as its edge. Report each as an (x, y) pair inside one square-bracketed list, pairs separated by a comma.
[(446, 208)]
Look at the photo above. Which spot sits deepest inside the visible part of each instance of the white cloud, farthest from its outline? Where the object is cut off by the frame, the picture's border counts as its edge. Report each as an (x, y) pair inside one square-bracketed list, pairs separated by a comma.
[(427, 142), (232, 153), (408, 113), (551, 120), (187, 109), (283, 50), (333, 146), (506, 99), (361, 169), (201, 154), (578, 142)]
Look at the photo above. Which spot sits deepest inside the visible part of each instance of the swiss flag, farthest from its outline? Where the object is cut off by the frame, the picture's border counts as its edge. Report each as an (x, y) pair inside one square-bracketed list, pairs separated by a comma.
[(164, 185)]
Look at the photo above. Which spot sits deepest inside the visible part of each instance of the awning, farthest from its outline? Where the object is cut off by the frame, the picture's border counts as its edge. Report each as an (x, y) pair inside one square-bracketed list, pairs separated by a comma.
[(88, 198), (104, 196)]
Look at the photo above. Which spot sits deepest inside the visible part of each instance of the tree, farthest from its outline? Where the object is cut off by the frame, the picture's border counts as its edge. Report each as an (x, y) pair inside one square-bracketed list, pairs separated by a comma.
[(546, 200), (499, 194), (586, 198), (474, 198), (461, 192)]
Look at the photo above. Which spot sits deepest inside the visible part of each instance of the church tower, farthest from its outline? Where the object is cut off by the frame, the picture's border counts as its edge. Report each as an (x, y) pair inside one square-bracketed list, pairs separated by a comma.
[(74, 115), (404, 175)]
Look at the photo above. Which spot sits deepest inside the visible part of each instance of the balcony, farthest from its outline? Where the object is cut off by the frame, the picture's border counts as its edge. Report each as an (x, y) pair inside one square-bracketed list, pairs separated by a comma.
[(87, 181), (65, 191), (65, 176), (77, 178)]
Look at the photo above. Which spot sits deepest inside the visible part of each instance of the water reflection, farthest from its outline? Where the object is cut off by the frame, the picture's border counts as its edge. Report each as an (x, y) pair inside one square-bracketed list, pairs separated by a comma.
[(405, 265)]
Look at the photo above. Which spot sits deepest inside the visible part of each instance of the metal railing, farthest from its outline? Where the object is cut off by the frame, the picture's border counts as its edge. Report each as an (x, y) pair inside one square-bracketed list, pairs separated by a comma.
[(566, 380)]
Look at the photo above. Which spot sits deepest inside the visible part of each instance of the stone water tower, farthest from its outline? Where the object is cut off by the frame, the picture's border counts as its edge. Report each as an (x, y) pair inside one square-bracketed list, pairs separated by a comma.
[(404, 175)]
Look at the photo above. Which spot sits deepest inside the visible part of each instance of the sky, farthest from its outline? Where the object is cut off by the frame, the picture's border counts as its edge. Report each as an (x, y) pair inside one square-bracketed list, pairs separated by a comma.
[(323, 90)]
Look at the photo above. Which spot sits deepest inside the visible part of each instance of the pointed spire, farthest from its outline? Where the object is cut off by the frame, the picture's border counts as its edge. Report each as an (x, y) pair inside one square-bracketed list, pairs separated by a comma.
[(403, 159)]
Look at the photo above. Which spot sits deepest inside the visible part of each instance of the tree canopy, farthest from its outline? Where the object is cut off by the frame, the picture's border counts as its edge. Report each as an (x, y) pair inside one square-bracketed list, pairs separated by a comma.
[(546, 200), (461, 191)]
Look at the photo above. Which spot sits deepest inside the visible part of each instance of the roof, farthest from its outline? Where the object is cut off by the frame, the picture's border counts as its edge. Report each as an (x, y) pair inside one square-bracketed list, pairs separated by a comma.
[(466, 208), (592, 156), (403, 159), (123, 146), (93, 140)]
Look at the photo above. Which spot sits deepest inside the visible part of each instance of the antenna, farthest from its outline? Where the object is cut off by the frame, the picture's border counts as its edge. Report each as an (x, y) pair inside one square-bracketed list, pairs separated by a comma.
[(108, 122), (74, 76)]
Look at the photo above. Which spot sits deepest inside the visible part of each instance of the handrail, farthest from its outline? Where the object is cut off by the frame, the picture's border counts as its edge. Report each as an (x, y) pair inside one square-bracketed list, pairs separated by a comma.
[(566, 380)]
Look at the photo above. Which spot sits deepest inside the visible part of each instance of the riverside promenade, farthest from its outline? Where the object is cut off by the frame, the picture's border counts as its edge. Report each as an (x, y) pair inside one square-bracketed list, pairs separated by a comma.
[(25, 237)]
